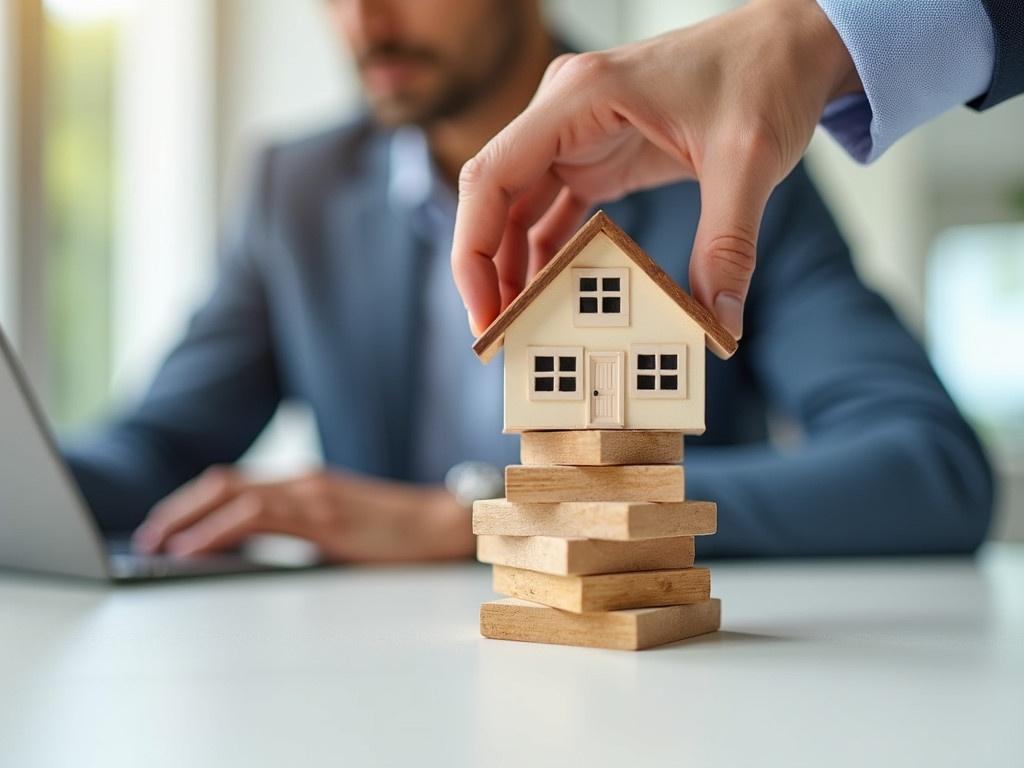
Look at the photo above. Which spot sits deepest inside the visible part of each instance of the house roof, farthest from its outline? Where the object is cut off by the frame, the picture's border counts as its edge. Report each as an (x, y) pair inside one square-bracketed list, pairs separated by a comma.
[(719, 340)]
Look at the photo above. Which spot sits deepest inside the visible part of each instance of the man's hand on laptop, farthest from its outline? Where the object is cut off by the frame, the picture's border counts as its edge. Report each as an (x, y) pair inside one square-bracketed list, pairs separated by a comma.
[(350, 518)]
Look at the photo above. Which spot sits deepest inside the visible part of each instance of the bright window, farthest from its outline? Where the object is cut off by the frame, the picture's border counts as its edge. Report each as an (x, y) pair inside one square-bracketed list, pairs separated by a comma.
[(556, 373), (975, 319), (78, 155), (601, 297), (658, 371)]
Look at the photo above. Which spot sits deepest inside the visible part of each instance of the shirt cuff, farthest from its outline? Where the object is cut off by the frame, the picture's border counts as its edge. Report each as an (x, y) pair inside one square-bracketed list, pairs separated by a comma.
[(916, 59)]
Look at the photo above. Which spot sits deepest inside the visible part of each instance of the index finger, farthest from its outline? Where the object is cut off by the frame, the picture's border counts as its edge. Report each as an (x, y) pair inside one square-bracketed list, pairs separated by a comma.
[(508, 165), (184, 507)]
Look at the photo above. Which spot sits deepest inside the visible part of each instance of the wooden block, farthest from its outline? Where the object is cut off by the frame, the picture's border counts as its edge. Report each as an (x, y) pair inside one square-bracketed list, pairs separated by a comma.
[(512, 619), (607, 591), (584, 556), (601, 447), (641, 482), (610, 520)]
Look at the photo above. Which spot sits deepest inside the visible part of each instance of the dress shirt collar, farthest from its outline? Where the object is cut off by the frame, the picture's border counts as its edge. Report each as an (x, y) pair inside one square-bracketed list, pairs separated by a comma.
[(416, 188)]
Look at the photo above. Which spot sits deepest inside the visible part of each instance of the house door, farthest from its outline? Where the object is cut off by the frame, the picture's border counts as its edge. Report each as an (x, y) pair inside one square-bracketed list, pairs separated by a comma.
[(606, 390)]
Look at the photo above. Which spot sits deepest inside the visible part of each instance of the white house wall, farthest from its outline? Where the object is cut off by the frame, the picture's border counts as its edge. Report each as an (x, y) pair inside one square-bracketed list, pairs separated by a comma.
[(654, 319)]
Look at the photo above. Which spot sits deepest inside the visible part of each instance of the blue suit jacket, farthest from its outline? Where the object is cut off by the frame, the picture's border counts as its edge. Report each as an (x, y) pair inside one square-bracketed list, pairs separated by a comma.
[(318, 287), (1007, 19)]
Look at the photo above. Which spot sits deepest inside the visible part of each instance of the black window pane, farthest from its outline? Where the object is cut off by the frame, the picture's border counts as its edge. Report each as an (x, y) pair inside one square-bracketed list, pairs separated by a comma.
[(645, 362), (610, 305), (670, 382), (588, 284), (588, 305), (567, 364), (609, 283), (669, 362), (645, 382), (544, 384), (543, 363), (566, 383)]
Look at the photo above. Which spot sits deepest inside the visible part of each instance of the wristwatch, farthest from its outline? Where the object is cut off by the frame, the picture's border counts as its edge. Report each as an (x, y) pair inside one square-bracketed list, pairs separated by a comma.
[(470, 481)]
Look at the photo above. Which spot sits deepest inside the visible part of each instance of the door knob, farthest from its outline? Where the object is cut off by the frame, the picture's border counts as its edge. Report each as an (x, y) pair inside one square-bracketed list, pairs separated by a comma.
[(595, 393)]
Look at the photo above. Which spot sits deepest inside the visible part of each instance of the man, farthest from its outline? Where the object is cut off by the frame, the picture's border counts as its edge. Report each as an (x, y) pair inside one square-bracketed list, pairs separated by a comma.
[(337, 290)]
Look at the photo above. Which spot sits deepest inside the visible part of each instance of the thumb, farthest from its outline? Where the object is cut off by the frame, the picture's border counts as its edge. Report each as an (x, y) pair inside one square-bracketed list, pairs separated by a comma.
[(724, 254)]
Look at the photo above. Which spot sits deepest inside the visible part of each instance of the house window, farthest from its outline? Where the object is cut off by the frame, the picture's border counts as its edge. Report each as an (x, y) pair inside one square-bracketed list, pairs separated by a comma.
[(658, 371), (555, 373), (600, 297)]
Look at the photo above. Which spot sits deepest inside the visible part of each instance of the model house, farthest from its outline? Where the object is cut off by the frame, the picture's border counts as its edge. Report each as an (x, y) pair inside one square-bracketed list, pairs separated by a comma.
[(602, 338)]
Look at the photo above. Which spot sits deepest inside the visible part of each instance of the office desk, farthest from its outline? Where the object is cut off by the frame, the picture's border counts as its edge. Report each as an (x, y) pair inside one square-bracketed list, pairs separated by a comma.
[(820, 663)]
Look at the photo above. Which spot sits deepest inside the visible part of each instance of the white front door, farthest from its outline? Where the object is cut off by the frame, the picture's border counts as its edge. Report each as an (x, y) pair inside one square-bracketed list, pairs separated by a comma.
[(606, 391)]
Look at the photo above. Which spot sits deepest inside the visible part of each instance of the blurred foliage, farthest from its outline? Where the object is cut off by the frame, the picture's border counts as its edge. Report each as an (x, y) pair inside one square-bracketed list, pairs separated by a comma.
[(1017, 200), (78, 162)]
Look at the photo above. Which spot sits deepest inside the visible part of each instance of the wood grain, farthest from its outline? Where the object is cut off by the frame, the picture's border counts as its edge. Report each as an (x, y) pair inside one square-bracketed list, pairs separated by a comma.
[(614, 521), (584, 556), (553, 483), (605, 592), (601, 447), (512, 619)]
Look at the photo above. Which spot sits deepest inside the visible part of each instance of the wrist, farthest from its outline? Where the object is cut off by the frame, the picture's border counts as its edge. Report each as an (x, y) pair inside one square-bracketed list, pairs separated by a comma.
[(819, 55), (829, 51), (452, 523)]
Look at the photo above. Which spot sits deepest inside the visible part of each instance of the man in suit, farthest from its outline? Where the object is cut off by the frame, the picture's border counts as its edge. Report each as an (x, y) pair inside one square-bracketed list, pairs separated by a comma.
[(336, 290)]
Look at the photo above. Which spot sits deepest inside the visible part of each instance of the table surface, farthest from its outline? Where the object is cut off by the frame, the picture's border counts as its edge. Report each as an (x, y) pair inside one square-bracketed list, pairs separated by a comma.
[(824, 662)]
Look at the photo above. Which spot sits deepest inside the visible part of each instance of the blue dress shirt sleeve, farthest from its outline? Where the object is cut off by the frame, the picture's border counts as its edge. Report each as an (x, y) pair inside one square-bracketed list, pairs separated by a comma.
[(915, 59)]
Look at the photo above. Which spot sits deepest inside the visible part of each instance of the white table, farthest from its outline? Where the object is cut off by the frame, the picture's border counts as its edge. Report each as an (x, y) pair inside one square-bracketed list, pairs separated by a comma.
[(824, 663)]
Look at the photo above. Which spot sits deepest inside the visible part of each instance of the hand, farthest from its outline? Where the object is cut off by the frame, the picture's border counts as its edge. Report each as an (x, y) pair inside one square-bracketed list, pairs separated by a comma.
[(732, 102), (350, 518)]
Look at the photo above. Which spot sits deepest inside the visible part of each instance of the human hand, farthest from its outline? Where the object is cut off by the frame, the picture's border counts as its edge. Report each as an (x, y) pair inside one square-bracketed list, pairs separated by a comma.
[(731, 102), (350, 518)]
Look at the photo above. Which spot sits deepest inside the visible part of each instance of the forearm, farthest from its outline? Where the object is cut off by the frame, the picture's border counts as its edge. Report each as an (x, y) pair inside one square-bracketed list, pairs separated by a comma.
[(902, 487), (122, 475)]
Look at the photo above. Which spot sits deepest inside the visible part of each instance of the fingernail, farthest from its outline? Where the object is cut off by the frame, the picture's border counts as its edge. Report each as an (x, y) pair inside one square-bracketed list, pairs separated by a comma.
[(474, 327), (729, 310)]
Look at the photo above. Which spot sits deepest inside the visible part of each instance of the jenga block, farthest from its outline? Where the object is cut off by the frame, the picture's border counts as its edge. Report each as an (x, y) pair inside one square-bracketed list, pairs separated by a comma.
[(605, 592), (611, 520), (584, 556), (512, 619), (601, 447), (641, 482)]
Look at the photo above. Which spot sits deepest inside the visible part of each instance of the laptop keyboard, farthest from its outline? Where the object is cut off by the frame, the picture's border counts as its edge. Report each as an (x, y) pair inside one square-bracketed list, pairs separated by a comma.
[(126, 564)]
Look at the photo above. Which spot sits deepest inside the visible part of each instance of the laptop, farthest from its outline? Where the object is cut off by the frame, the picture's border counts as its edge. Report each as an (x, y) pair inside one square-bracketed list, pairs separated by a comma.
[(45, 523)]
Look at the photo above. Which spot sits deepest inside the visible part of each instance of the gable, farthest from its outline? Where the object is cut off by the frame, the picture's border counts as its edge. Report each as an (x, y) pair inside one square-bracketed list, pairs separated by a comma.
[(649, 312), (719, 340)]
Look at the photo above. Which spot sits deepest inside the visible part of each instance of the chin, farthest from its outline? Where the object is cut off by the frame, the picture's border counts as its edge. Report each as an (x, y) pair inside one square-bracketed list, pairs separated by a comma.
[(391, 113)]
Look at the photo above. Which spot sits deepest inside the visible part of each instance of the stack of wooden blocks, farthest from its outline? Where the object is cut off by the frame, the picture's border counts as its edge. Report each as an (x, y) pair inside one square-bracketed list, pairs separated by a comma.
[(594, 543)]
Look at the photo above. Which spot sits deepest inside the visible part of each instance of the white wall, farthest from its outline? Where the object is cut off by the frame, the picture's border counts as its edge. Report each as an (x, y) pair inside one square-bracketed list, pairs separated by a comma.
[(281, 74), (166, 223)]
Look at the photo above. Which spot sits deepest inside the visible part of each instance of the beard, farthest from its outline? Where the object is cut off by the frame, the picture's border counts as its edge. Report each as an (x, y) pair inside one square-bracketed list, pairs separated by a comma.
[(460, 79)]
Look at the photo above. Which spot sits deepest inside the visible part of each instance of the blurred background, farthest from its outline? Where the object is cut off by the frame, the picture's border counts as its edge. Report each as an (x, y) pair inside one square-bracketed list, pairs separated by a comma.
[(127, 126)]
